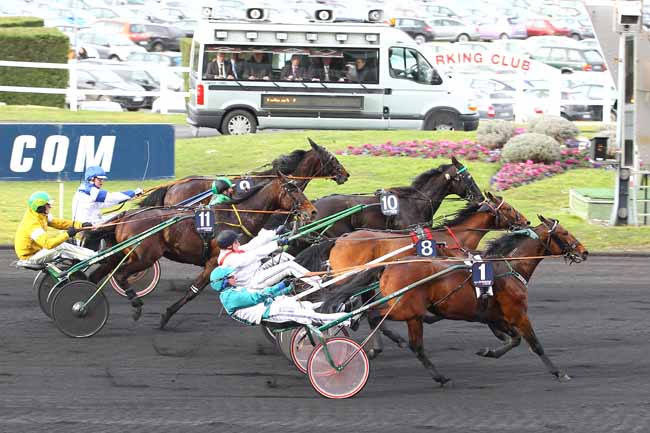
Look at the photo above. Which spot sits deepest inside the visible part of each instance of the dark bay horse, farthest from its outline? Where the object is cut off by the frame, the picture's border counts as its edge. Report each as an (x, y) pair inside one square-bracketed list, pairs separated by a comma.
[(453, 295), (417, 203), (182, 243), (317, 162)]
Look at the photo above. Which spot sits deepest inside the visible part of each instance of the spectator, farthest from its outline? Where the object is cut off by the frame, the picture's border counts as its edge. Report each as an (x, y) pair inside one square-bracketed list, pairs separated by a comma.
[(363, 72), (293, 71), (258, 68), (237, 67), (218, 68), (82, 54), (325, 71)]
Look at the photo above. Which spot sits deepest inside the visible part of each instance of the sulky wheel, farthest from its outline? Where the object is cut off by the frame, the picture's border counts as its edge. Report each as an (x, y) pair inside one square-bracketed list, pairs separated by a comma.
[(46, 285), (142, 283), (74, 314), (299, 345), (333, 383)]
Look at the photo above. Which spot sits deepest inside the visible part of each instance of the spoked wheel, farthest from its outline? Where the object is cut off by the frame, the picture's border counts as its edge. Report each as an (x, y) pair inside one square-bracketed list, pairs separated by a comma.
[(332, 382), (299, 346), (142, 283), (74, 314)]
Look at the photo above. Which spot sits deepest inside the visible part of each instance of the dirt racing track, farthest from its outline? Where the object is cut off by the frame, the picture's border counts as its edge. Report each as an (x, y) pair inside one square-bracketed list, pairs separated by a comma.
[(208, 373)]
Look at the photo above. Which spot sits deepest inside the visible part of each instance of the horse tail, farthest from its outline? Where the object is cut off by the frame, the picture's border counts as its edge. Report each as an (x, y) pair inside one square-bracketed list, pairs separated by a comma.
[(347, 289), (314, 256), (155, 197)]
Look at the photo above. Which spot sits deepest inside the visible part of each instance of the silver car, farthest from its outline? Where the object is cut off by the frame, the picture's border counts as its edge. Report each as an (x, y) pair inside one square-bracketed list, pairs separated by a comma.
[(449, 29), (108, 45)]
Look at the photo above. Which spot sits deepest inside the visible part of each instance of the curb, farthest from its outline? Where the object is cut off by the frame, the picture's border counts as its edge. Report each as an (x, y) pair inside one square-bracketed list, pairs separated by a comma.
[(591, 254)]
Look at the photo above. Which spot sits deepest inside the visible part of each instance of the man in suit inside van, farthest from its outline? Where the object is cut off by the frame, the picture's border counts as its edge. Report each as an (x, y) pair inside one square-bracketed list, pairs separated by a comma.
[(258, 68), (218, 69), (325, 71), (293, 71), (363, 72), (237, 67)]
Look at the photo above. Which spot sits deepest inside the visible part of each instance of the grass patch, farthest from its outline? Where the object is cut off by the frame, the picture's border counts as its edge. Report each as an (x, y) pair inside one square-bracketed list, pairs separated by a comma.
[(226, 154), (20, 113)]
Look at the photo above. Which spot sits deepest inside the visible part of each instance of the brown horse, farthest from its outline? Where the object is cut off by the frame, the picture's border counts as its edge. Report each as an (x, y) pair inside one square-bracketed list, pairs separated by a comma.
[(462, 233), (453, 295), (317, 162), (417, 203), (182, 243)]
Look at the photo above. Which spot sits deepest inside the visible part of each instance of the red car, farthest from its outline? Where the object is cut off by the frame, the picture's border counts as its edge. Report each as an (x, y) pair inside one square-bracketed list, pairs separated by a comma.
[(543, 27)]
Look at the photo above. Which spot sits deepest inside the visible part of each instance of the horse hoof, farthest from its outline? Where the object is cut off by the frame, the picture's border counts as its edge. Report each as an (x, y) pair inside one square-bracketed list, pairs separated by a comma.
[(486, 353), (562, 377), (402, 344), (137, 312), (163, 321), (445, 382), (373, 353)]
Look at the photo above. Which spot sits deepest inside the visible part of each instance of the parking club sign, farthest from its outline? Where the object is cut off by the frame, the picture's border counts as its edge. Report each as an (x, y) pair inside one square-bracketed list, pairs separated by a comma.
[(63, 151)]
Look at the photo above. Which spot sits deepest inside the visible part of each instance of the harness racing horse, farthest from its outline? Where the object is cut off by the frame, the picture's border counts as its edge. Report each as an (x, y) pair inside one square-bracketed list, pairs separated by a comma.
[(317, 162), (417, 203), (453, 295), (461, 234), (182, 243)]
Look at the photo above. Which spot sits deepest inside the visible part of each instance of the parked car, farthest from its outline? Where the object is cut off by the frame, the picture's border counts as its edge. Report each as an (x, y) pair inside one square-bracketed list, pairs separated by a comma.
[(174, 79), (107, 45), (187, 26), (491, 28), (596, 93), (146, 80), (570, 59), (436, 10), (448, 29), (577, 29), (153, 37), (418, 29), (109, 80), (542, 27)]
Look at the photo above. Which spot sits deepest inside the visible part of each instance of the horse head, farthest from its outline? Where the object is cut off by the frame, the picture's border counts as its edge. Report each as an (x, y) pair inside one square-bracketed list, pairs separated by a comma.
[(559, 241), (329, 165), (461, 182), (292, 198), (505, 215)]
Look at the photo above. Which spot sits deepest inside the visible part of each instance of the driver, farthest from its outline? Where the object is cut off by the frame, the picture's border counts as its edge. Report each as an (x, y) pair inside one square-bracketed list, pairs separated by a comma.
[(246, 259), (32, 243), (222, 190), (268, 304)]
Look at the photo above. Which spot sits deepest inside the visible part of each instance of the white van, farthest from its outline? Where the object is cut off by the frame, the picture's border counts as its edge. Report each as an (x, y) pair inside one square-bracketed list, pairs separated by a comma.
[(320, 75)]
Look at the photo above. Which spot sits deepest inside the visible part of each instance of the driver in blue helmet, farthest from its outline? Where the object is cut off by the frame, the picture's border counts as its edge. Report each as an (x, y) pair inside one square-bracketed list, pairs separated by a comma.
[(90, 199), (269, 304)]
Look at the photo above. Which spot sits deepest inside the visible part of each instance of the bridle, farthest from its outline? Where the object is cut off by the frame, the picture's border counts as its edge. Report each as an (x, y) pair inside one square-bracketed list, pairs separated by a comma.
[(337, 171), (568, 250), (462, 175), (494, 210), (290, 188)]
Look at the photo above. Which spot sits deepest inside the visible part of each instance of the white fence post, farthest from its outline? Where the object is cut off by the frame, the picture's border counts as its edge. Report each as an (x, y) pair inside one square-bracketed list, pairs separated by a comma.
[(164, 99), (72, 89)]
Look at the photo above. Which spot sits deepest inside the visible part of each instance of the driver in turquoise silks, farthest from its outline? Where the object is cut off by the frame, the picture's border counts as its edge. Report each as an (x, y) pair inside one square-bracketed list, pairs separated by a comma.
[(270, 304)]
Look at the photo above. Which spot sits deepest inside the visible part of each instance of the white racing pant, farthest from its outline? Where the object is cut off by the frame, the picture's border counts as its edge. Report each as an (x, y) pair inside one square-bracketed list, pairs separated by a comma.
[(277, 269), (289, 309), (65, 250)]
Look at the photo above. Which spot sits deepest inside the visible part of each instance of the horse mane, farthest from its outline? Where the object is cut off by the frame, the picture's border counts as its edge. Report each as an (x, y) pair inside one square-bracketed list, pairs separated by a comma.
[(502, 246), (286, 164), (419, 182), (460, 216)]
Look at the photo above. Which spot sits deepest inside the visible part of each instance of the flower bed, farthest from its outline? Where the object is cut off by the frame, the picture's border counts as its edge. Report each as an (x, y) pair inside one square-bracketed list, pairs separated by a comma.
[(510, 175)]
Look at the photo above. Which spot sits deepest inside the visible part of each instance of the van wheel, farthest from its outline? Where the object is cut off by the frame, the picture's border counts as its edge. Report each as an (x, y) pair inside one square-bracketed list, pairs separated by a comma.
[(463, 37), (239, 122), (158, 47), (420, 39), (567, 71), (113, 57), (442, 121), (575, 36)]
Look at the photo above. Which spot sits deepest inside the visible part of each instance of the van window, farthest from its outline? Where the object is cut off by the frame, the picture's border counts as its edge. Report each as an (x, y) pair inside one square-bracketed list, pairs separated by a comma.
[(293, 64), (409, 64)]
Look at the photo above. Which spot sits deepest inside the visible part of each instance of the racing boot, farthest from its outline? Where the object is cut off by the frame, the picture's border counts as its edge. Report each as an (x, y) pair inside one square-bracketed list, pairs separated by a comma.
[(136, 303)]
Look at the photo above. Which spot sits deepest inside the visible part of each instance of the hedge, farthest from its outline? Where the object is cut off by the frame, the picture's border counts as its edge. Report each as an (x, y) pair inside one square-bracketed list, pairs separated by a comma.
[(30, 44), (21, 22)]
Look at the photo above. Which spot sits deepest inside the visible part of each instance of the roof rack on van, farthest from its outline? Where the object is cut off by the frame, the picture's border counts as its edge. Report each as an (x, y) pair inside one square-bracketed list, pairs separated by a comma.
[(320, 15)]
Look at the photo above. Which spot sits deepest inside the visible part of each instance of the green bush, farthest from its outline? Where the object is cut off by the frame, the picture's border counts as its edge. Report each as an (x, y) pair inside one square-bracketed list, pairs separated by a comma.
[(495, 133), (29, 44), (531, 146), (557, 127), (21, 22)]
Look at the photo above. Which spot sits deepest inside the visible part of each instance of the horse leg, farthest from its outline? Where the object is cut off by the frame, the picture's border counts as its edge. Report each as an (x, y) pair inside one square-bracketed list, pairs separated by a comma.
[(510, 337), (192, 292), (122, 276), (524, 326), (417, 346), (376, 343)]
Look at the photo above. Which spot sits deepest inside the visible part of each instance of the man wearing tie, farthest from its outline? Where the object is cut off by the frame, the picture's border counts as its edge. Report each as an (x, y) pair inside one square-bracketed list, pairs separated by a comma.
[(293, 71), (325, 72), (218, 68), (236, 67)]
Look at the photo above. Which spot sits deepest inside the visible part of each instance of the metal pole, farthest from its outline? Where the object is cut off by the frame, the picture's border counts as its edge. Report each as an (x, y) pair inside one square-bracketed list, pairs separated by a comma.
[(621, 191)]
